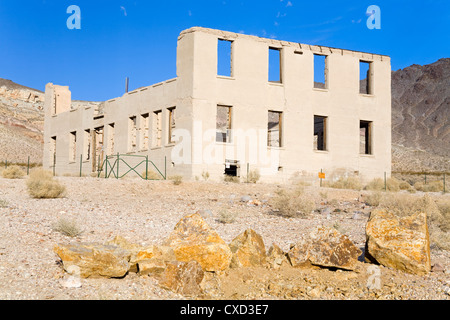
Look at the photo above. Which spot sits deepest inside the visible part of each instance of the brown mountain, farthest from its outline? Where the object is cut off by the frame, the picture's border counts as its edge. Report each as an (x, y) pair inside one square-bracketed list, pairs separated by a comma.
[(420, 119)]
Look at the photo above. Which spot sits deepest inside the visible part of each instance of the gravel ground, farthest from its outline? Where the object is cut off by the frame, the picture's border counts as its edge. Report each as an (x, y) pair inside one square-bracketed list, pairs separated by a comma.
[(145, 212)]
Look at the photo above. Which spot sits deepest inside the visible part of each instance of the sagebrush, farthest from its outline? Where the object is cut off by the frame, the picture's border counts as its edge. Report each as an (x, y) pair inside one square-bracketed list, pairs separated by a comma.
[(42, 185), (13, 172), (292, 203)]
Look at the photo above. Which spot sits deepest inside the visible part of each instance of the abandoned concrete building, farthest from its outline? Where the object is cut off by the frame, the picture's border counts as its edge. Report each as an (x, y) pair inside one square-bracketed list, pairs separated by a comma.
[(238, 103)]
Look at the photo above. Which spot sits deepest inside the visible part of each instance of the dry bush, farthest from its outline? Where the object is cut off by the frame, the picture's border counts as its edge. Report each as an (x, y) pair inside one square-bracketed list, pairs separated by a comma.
[(376, 184), (42, 185), (345, 183), (373, 199), (176, 180), (152, 175), (253, 176), (404, 185), (292, 204), (13, 172), (225, 216), (434, 186), (205, 175), (233, 179), (67, 227)]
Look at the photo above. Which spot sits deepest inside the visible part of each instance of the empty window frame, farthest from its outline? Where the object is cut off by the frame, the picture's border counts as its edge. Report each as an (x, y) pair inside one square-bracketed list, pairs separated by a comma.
[(111, 139), (132, 134), (172, 125), (365, 137), (320, 71), (223, 124), (157, 129), (225, 58), (52, 150), (275, 129), (72, 146), (365, 77), (87, 145), (320, 133), (275, 72), (144, 132)]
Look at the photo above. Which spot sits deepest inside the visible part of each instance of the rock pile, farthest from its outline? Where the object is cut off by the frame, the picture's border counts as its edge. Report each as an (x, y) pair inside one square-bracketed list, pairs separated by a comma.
[(193, 252)]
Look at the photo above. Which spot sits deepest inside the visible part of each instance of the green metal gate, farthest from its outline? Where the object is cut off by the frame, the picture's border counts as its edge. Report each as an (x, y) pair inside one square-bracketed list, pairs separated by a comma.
[(112, 164)]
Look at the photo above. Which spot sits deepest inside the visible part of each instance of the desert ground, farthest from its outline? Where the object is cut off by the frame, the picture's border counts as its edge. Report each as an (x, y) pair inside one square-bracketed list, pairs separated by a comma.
[(145, 212)]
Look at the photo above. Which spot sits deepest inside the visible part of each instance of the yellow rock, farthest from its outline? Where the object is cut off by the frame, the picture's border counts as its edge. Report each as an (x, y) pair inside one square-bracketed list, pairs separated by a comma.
[(248, 250), (402, 243), (94, 260), (192, 239)]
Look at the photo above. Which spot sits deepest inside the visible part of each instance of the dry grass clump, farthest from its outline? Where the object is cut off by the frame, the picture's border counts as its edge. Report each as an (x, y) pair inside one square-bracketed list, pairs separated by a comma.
[(42, 185), (233, 179), (352, 183), (392, 184), (13, 172), (67, 227), (434, 186), (291, 204), (151, 175), (225, 216), (253, 176), (176, 180)]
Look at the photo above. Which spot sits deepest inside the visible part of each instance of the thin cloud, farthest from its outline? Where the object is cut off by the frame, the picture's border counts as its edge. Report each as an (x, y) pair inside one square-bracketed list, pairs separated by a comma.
[(124, 10)]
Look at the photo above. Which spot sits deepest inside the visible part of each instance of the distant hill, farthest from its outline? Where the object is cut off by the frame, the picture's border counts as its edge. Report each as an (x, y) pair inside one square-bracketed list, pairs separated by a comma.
[(420, 119)]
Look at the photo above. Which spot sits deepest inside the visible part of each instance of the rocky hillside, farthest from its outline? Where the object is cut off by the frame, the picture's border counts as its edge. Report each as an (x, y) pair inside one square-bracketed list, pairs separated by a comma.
[(21, 123), (420, 117)]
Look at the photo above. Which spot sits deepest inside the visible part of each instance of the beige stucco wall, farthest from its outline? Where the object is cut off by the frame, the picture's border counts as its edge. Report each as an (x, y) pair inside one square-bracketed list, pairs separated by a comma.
[(198, 90)]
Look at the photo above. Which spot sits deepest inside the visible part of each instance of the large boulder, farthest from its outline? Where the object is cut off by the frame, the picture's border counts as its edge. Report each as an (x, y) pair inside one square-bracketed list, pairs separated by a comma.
[(192, 239), (94, 260), (145, 259), (183, 278), (248, 250), (402, 243), (325, 247)]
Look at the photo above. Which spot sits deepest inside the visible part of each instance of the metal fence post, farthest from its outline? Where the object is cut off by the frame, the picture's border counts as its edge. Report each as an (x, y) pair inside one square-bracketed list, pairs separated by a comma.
[(385, 182), (444, 182), (118, 161), (81, 165), (146, 167), (54, 164), (28, 166), (106, 168)]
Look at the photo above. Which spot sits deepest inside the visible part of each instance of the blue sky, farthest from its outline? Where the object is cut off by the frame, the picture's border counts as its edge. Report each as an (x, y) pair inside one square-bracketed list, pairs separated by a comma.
[(137, 38)]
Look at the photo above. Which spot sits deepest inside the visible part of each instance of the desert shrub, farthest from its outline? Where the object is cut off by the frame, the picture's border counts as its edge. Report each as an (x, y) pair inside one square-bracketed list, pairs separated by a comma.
[(434, 186), (376, 184), (13, 172), (4, 203), (228, 178), (393, 184), (176, 180), (205, 175), (345, 183), (292, 204), (152, 175), (405, 186), (373, 199), (225, 216), (67, 227), (42, 185), (253, 176)]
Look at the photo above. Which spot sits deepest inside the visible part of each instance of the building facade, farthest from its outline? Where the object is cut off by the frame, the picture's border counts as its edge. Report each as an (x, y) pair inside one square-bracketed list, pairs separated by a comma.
[(238, 103)]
